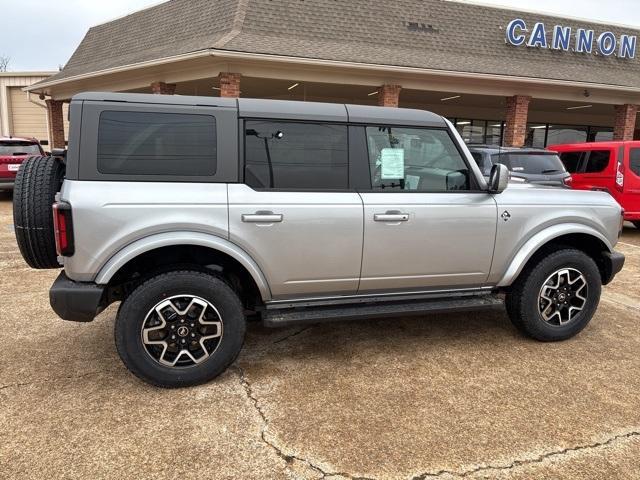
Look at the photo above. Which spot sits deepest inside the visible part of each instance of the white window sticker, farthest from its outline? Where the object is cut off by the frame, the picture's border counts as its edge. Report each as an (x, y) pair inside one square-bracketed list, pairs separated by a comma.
[(392, 160)]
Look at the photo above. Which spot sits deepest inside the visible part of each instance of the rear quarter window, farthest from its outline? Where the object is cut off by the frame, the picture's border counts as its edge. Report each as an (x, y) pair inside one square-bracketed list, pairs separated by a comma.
[(634, 161), (150, 143), (572, 160)]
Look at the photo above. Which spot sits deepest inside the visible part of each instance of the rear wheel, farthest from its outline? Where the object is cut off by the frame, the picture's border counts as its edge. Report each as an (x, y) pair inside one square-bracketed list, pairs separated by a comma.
[(180, 328), (37, 182), (555, 298)]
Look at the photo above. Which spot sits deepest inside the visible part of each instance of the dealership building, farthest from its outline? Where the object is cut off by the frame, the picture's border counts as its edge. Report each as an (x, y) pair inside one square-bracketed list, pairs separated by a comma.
[(502, 76)]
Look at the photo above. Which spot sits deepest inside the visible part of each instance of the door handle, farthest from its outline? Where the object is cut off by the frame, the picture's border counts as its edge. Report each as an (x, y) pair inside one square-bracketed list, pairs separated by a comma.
[(390, 217), (262, 217)]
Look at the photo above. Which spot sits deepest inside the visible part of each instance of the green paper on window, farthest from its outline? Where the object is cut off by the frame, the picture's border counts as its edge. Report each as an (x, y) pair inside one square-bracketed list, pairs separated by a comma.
[(392, 160)]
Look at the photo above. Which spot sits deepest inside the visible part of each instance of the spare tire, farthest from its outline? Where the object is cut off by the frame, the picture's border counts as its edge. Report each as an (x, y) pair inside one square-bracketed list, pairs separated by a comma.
[(37, 182)]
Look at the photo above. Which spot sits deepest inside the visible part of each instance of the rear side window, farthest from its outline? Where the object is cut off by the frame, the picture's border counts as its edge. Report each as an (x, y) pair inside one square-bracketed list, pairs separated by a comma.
[(598, 161), (531, 163), (572, 160), (148, 143), (295, 155), (634, 160)]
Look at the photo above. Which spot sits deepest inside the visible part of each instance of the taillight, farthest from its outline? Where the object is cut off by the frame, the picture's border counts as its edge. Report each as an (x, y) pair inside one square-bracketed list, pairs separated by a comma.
[(620, 175), (63, 228), (568, 181)]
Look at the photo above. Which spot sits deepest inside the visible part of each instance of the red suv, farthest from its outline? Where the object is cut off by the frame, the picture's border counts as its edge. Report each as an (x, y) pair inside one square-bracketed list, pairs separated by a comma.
[(610, 166), (14, 151)]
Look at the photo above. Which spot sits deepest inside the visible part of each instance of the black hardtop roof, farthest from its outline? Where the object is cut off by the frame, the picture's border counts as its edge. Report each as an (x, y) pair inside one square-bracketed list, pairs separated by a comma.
[(282, 109)]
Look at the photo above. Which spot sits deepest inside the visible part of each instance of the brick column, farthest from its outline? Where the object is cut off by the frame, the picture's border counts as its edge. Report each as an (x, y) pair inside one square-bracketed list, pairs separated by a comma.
[(625, 122), (55, 120), (229, 84), (515, 127), (161, 88), (389, 95)]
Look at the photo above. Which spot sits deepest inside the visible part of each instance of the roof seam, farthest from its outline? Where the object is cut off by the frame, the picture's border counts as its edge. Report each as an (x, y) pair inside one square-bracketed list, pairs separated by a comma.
[(238, 22)]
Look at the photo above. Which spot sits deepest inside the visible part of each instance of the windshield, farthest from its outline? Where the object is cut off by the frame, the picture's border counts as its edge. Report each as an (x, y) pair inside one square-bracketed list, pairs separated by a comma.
[(531, 162), (19, 148)]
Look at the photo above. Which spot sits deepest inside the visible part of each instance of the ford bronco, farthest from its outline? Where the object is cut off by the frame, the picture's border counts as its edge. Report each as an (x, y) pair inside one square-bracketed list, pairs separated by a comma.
[(196, 213)]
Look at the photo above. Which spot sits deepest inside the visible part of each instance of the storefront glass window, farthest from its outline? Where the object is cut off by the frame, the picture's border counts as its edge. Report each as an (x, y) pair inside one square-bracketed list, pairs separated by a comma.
[(535, 135), (494, 132), (566, 134), (600, 134)]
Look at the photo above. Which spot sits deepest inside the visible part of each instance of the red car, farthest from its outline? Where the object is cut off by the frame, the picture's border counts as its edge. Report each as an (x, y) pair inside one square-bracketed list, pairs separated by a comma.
[(610, 166), (14, 151)]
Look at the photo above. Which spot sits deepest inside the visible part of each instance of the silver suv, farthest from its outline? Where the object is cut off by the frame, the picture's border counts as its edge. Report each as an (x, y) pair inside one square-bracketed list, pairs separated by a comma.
[(198, 213)]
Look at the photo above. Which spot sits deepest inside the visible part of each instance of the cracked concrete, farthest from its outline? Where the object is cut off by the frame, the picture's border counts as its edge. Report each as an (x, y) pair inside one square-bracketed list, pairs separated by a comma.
[(445, 396)]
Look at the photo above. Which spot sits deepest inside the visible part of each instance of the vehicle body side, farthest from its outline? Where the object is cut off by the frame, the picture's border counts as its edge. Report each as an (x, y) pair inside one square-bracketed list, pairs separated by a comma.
[(624, 155), (326, 248)]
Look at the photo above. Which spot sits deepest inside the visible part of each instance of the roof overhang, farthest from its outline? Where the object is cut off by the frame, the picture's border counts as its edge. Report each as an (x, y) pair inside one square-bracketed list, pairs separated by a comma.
[(333, 71)]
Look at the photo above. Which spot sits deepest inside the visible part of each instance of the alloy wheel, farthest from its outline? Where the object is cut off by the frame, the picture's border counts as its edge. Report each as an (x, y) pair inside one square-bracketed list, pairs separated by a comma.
[(563, 296)]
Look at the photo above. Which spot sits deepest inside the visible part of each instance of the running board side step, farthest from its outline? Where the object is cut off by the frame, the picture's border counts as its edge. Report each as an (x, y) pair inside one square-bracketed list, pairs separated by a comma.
[(296, 316)]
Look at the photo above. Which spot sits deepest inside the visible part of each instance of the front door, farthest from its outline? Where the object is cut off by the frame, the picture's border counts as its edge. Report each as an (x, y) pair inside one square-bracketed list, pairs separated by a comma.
[(425, 224), (295, 214)]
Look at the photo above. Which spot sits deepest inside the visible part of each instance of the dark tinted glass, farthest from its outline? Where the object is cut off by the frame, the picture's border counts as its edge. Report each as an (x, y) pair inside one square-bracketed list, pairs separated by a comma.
[(146, 143), (531, 163), (634, 160), (8, 147), (571, 160), (598, 161), (415, 159), (295, 155)]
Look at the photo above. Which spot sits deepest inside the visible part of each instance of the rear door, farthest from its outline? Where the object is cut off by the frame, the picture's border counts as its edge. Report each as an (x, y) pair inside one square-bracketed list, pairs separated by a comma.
[(426, 226), (295, 213), (631, 193)]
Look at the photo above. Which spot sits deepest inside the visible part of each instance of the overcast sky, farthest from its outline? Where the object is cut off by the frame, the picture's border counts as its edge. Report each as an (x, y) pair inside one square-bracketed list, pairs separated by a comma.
[(42, 34)]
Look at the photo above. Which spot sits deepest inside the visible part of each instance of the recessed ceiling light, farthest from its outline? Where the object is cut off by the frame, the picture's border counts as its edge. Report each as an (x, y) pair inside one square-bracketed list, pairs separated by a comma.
[(215, 88), (463, 123), (540, 126), (293, 86), (372, 93), (579, 106), (449, 98)]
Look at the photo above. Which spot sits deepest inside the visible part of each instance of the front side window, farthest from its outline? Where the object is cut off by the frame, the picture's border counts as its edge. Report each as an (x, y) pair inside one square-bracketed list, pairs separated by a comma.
[(598, 161), (572, 160), (296, 155), (149, 143), (417, 159)]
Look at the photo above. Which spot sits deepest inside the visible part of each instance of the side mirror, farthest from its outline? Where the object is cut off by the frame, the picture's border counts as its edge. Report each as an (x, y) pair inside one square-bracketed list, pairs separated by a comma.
[(499, 178)]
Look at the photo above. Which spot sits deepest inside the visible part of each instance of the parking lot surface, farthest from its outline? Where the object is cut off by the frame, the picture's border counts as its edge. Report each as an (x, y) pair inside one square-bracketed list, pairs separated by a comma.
[(439, 396)]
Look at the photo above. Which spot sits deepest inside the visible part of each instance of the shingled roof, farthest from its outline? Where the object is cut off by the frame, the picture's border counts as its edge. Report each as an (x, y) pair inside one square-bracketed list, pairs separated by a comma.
[(450, 36)]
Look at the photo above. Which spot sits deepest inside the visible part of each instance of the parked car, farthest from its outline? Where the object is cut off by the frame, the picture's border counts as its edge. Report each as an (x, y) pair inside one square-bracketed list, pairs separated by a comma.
[(613, 167), (196, 212), (13, 151), (531, 165)]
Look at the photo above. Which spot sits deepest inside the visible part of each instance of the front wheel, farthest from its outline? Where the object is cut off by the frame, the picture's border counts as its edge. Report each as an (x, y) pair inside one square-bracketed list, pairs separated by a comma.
[(180, 328), (555, 298)]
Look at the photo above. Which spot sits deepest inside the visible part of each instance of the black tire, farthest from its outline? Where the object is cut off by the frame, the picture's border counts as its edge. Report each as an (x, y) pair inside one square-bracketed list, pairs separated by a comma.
[(636, 224), (132, 316), (37, 182), (522, 301)]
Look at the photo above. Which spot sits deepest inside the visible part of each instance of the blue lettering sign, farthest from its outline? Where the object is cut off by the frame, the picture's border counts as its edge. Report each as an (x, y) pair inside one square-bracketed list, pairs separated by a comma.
[(627, 46), (606, 43), (584, 40), (538, 36), (561, 37), (514, 31)]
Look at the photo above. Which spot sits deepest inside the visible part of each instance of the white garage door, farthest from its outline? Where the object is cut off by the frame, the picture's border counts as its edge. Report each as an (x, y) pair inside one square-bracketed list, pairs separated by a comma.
[(27, 118)]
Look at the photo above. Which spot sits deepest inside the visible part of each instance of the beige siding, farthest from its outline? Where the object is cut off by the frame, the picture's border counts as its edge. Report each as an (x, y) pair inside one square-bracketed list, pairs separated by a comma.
[(27, 118)]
